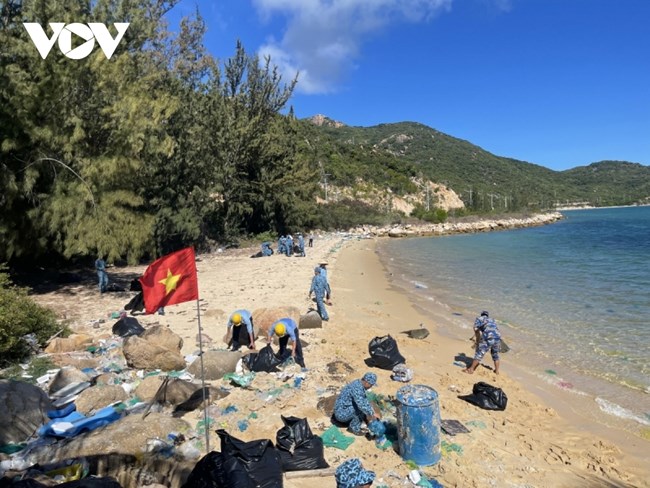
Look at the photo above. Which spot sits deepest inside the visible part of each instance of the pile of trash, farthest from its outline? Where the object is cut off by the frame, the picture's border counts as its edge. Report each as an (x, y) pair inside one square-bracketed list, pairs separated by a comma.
[(130, 410)]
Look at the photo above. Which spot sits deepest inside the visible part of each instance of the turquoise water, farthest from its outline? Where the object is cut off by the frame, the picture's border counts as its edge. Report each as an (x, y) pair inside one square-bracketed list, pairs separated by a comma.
[(572, 298)]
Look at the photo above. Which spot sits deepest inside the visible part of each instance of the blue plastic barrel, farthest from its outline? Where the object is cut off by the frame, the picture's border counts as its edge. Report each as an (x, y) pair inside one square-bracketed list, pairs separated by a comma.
[(418, 424)]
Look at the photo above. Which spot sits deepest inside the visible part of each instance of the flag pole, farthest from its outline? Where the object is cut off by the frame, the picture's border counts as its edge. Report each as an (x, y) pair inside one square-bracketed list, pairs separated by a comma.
[(205, 403)]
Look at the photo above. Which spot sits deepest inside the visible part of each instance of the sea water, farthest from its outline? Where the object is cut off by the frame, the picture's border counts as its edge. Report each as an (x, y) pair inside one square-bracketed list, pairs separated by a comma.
[(572, 298)]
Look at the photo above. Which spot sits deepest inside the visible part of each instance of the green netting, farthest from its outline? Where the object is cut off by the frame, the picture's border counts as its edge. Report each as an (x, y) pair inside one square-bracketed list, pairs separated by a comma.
[(333, 437)]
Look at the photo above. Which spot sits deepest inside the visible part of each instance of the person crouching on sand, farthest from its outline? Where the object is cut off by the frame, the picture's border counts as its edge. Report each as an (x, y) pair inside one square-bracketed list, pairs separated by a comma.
[(487, 336), (352, 406)]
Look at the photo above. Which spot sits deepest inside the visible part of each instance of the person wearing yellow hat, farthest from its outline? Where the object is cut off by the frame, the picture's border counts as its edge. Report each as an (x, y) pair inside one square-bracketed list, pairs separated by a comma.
[(238, 335), (286, 329)]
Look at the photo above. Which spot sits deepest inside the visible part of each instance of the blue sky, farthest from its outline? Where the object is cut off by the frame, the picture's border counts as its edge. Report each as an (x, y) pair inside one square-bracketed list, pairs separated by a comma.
[(560, 83)]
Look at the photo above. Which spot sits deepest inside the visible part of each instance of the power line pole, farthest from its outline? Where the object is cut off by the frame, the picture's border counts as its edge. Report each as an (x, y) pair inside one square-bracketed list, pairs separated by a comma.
[(324, 178), (492, 195), (325, 175)]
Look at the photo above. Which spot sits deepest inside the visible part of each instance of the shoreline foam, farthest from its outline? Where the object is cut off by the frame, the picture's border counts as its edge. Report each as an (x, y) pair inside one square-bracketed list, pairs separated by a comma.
[(572, 424)]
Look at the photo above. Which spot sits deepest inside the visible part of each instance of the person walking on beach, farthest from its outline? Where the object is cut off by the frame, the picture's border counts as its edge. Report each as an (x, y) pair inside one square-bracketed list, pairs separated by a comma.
[(311, 239), (323, 271), (238, 335), (286, 329), (352, 406), (102, 276), (321, 289), (488, 337)]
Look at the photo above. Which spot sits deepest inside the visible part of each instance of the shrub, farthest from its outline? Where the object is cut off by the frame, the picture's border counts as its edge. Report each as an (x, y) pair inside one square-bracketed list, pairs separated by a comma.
[(19, 316), (351, 213), (435, 216)]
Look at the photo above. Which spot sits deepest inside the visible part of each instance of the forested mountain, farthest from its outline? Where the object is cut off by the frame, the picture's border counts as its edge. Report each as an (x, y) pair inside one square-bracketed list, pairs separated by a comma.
[(480, 178), (162, 146)]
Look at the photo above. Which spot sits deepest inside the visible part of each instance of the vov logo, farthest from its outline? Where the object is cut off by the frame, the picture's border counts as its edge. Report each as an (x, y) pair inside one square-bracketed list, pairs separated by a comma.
[(90, 32)]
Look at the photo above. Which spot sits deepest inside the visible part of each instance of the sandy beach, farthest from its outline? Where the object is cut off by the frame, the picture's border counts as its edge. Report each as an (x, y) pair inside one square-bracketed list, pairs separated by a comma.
[(530, 444)]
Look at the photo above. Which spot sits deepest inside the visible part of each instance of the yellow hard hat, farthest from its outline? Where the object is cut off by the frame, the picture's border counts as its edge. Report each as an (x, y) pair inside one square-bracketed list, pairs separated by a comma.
[(236, 318), (279, 329)]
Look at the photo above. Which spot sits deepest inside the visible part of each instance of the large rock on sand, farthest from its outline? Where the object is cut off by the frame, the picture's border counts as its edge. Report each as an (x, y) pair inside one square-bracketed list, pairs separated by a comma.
[(66, 376), (311, 320), (24, 409), (163, 336), (76, 342), (99, 397), (215, 364), (142, 354), (177, 390), (263, 318), (128, 435)]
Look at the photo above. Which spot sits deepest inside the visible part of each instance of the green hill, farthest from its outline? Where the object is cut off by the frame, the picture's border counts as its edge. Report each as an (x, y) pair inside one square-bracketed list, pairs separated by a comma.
[(390, 154)]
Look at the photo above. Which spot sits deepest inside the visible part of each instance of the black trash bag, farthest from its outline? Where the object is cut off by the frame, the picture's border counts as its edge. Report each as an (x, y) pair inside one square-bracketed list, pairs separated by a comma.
[(114, 287), (135, 285), (259, 458), (384, 353), (217, 470), (298, 447), (487, 397), (264, 360), (127, 326), (136, 304)]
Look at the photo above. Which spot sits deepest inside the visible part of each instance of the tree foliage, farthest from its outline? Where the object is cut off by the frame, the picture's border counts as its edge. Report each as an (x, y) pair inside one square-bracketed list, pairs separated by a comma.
[(157, 148), (19, 316)]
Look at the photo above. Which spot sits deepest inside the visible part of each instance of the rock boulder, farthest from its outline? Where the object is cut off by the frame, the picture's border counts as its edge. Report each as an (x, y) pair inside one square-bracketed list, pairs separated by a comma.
[(24, 409), (142, 354), (99, 397), (311, 320), (263, 318), (216, 364), (163, 336)]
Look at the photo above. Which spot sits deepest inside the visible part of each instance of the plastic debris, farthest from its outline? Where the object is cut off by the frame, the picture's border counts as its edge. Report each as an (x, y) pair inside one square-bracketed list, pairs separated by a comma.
[(449, 447), (414, 476), (242, 425), (479, 424), (333, 437), (242, 380), (402, 373)]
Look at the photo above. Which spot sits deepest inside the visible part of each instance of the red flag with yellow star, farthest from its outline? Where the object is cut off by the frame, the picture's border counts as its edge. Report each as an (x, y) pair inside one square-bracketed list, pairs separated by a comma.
[(170, 280)]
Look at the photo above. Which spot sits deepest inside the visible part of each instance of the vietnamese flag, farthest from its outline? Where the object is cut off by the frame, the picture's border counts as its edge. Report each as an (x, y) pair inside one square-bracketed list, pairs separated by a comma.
[(170, 280)]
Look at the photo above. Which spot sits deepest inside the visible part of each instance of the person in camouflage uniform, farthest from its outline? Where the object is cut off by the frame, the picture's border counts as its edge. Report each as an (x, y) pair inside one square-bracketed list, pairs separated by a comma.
[(352, 405), (487, 337), (351, 474), (321, 289)]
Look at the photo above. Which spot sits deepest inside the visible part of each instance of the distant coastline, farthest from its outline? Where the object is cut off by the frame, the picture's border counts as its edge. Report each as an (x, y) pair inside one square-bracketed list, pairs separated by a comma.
[(591, 207), (448, 228)]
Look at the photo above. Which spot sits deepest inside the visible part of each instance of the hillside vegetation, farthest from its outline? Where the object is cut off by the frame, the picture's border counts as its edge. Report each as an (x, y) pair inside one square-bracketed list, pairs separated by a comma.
[(484, 181)]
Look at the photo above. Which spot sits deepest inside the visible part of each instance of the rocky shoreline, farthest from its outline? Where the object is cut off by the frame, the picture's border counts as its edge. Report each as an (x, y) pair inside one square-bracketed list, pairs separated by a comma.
[(421, 230)]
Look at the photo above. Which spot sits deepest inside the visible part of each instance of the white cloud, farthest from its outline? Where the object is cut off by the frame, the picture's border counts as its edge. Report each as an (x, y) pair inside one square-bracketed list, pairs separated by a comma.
[(323, 38)]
